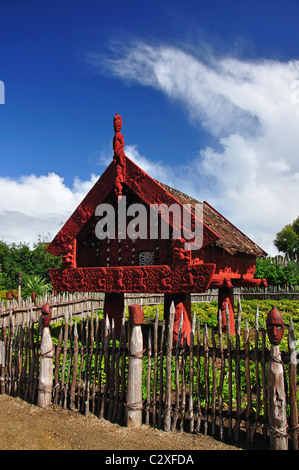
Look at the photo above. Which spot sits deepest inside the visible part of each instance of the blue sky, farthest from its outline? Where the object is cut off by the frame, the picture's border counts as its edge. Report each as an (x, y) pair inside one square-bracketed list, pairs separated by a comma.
[(208, 92)]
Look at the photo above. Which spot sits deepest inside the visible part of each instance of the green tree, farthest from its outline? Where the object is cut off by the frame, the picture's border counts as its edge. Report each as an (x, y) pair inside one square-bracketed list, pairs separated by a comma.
[(277, 274), (34, 283), (17, 258), (287, 240)]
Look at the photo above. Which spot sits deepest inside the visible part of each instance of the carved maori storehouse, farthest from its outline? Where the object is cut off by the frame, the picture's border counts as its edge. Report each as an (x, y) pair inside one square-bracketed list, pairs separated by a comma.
[(128, 258)]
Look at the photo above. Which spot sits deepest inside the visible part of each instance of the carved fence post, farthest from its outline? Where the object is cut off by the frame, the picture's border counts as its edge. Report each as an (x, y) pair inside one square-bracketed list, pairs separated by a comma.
[(277, 414), (45, 383), (134, 387)]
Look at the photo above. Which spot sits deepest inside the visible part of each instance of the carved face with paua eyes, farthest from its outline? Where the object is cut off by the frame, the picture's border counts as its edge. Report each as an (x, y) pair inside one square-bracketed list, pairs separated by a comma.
[(46, 314), (275, 326)]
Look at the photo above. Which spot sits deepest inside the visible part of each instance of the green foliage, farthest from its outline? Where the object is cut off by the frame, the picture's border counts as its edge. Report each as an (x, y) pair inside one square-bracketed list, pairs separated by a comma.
[(207, 313), (287, 240), (277, 274), (34, 283), (20, 258)]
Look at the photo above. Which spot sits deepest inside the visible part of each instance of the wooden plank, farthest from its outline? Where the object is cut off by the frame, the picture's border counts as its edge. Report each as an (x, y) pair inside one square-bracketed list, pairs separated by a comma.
[(70, 360), (155, 378), (81, 384), (95, 334), (206, 377), (177, 375), (183, 383), (167, 411), (123, 344), (222, 373), (148, 378), (26, 361), (100, 367), (248, 381), (264, 383), (33, 361), (75, 368), (57, 366), (257, 377), (3, 361), (112, 372), (230, 384), (161, 372), (214, 385), (9, 351), (238, 372), (293, 386), (37, 362), (87, 367), (106, 366), (20, 360), (64, 357), (191, 387), (198, 414)]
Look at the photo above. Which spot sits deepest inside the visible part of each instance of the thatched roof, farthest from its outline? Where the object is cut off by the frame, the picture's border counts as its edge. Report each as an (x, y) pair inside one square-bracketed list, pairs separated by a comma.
[(231, 238)]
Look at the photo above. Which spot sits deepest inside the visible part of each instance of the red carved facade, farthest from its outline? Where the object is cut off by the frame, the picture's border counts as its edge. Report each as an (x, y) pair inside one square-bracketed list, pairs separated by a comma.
[(225, 258), (144, 279), (126, 265)]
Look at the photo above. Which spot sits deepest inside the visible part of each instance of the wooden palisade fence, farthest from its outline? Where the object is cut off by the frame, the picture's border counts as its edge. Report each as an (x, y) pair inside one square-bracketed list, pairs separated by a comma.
[(215, 386)]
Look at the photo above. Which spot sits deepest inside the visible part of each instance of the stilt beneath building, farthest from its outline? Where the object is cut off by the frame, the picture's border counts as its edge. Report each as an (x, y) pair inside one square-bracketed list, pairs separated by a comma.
[(182, 303), (114, 307), (226, 296)]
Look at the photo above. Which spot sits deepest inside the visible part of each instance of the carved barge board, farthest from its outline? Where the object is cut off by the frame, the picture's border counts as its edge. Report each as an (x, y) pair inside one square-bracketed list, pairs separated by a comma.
[(142, 279)]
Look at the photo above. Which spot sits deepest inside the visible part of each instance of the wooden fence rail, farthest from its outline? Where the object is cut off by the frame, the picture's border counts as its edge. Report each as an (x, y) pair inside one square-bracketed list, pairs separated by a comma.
[(79, 301), (215, 386)]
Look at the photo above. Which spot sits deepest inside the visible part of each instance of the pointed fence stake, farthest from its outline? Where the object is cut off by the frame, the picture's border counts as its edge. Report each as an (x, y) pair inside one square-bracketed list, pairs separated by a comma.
[(167, 415)]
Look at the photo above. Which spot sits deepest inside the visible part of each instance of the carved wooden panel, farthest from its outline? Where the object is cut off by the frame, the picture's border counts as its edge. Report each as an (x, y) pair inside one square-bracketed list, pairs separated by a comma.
[(172, 279)]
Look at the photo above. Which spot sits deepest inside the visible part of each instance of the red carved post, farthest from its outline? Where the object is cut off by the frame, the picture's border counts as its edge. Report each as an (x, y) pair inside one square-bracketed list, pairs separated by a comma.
[(134, 388), (114, 305), (226, 297), (182, 303), (277, 413), (119, 154)]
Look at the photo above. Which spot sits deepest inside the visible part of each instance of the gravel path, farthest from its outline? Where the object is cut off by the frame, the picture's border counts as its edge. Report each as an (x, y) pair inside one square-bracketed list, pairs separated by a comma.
[(27, 427)]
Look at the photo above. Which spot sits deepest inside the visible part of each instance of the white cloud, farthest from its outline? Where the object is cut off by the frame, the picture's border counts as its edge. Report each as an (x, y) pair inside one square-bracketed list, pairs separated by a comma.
[(251, 107), (37, 205)]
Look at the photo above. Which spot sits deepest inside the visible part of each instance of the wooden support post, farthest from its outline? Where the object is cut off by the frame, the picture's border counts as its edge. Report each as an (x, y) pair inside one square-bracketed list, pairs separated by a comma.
[(277, 419), (182, 303), (226, 298), (45, 383), (114, 308), (134, 388)]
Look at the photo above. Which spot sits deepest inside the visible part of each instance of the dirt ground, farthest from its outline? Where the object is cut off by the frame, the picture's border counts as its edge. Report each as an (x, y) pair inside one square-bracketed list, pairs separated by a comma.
[(27, 427)]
